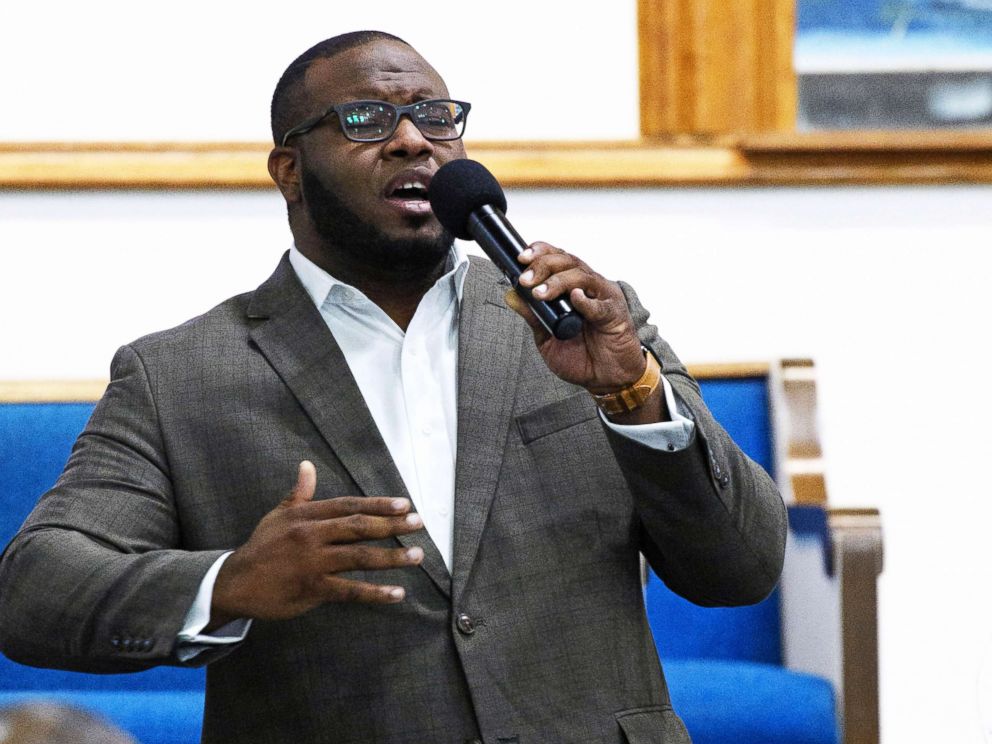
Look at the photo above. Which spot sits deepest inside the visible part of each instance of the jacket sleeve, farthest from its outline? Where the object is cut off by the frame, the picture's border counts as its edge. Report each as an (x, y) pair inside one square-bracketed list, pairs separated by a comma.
[(713, 522), (96, 579)]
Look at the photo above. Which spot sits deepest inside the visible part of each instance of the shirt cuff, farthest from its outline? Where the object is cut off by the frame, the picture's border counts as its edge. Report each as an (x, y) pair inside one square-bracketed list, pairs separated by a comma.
[(669, 436), (192, 640)]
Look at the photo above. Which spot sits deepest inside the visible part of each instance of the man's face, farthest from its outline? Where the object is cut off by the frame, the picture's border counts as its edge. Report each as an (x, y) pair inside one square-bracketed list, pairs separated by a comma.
[(353, 190)]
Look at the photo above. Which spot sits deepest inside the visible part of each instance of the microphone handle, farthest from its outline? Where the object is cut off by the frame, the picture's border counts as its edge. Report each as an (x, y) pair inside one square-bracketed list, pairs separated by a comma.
[(491, 230)]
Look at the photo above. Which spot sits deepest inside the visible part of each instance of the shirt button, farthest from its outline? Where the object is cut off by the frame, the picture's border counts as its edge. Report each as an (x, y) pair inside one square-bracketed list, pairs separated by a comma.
[(466, 626), (427, 431), (443, 511)]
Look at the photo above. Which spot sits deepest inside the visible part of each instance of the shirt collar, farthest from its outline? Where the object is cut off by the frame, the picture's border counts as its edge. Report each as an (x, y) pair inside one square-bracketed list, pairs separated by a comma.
[(324, 288)]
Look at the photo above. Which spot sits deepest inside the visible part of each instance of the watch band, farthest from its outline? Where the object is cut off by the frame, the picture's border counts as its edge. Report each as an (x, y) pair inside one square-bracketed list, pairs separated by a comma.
[(633, 396)]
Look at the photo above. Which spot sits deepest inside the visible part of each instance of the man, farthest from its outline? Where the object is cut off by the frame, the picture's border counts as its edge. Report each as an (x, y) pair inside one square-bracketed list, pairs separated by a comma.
[(379, 367)]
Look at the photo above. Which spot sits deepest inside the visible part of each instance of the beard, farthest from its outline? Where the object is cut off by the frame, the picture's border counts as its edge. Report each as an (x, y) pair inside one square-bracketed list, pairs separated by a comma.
[(364, 245)]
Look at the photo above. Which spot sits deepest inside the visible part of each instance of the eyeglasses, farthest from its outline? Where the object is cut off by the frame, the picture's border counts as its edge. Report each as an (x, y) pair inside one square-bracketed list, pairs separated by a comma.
[(374, 121)]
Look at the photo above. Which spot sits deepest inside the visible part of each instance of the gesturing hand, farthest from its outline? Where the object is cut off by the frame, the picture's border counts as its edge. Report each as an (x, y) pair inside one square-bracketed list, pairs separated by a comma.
[(291, 562)]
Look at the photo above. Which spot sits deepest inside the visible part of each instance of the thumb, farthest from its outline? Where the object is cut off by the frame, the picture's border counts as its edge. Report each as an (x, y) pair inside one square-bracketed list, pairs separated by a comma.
[(306, 484), (519, 305)]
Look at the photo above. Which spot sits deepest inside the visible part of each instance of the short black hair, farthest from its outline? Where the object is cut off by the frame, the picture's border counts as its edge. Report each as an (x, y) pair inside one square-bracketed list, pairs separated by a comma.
[(289, 107)]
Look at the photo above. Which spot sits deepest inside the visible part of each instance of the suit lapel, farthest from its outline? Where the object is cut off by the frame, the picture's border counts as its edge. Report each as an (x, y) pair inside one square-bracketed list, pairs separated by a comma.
[(490, 336), (294, 338)]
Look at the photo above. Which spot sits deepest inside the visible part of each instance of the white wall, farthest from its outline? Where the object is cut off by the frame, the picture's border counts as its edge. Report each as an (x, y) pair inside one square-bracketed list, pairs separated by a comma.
[(204, 69), (884, 288)]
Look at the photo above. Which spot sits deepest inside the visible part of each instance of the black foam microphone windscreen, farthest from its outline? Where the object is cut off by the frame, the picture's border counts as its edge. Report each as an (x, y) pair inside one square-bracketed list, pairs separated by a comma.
[(458, 189)]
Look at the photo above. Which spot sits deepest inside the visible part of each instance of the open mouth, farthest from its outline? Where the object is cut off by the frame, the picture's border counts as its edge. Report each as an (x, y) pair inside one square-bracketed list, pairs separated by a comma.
[(408, 193)]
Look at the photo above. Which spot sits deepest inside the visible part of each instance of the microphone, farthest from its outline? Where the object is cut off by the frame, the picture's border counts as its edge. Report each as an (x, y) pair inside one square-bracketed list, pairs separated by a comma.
[(468, 200)]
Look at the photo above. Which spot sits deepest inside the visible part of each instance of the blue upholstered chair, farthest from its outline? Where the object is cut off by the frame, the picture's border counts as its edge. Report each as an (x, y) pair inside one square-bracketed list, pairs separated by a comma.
[(160, 706), (798, 668), (801, 666)]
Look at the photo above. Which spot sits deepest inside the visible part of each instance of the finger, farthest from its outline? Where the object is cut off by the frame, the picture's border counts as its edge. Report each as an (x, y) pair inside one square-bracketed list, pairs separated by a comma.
[(341, 558), (337, 589), (519, 305), (537, 249), (566, 281), (359, 527), (544, 266), (344, 506), (593, 309), (306, 484)]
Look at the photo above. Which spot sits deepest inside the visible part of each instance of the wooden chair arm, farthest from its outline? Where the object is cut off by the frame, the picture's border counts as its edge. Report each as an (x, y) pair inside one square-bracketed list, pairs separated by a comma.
[(830, 608), (856, 540)]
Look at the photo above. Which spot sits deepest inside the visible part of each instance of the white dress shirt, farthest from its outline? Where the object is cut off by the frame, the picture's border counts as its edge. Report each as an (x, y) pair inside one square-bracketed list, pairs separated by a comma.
[(409, 381)]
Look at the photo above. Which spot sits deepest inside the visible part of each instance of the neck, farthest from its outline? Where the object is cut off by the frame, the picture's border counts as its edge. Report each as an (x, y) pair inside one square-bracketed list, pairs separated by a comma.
[(397, 292)]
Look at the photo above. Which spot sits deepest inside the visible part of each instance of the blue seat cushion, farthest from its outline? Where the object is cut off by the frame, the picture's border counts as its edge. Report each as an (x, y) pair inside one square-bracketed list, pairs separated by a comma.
[(748, 703), (150, 717), (16, 677)]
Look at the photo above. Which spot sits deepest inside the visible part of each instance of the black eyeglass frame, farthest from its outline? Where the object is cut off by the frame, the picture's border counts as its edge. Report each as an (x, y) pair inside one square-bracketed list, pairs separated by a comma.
[(401, 111)]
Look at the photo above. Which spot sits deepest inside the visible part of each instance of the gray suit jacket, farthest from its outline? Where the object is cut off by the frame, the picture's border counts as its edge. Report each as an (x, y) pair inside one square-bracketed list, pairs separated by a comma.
[(539, 634)]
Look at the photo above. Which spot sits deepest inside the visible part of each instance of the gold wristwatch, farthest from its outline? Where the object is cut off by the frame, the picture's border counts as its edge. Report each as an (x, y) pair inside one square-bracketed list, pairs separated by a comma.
[(633, 396)]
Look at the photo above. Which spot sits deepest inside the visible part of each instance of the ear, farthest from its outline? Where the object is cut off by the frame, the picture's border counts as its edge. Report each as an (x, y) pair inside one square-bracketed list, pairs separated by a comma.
[(283, 169)]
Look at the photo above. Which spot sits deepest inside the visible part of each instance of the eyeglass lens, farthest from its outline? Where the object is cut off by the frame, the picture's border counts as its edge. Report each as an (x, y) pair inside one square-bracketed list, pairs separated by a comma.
[(372, 120)]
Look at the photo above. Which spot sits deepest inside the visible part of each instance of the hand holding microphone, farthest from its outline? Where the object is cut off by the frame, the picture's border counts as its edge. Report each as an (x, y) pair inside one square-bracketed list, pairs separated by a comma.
[(581, 322)]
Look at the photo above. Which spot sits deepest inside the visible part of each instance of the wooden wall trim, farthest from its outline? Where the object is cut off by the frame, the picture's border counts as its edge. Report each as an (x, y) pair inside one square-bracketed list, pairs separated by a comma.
[(51, 391), (876, 158)]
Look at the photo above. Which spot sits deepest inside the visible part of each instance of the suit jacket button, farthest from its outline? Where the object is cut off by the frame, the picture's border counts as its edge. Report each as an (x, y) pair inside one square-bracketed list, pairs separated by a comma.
[(466, 625), (725, 480), (146, 644), (127, 643), (115, 641)]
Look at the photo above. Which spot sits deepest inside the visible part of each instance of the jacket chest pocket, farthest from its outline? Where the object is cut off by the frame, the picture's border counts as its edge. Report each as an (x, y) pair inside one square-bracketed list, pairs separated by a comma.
[(556, 418)]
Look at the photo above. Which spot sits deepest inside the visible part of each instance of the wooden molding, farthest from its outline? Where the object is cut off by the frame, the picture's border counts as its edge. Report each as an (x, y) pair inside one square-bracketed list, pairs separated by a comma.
[(729, 370), (868, 158), (51, 391), (716, 67)]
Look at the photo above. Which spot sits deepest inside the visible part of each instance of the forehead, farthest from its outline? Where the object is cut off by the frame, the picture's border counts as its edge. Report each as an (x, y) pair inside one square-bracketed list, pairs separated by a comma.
[(384, 69)]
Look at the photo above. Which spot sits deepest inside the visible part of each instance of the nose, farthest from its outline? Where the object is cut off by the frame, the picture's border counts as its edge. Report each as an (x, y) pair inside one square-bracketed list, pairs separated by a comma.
[(408, 141)]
